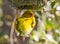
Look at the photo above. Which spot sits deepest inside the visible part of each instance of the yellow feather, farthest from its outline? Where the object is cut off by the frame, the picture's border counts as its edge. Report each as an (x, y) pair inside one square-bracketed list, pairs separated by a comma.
[(25, 23)]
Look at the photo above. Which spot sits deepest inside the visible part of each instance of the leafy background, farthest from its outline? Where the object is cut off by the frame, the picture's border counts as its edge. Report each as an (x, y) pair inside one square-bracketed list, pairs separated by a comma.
[(49, 21)]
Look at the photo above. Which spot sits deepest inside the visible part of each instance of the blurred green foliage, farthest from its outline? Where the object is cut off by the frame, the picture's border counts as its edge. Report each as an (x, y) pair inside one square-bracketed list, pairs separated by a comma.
[(37, 36)]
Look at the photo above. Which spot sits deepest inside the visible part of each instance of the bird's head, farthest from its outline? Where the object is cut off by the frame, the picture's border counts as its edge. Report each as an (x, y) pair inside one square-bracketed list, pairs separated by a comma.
[(27, 14)]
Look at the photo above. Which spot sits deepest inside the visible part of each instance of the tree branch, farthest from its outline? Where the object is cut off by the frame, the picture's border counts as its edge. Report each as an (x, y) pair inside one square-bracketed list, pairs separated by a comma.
[(12, 32)]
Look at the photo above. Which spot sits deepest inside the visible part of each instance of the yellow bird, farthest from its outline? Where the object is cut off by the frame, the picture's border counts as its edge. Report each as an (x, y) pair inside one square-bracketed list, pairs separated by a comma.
[(25, 23)]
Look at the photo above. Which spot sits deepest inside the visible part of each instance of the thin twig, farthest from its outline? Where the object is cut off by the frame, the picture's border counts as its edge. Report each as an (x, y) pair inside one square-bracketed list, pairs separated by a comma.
[(12, 32)]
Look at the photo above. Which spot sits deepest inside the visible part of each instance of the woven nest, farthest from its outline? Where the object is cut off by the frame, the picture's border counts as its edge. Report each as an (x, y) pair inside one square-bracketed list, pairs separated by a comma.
[(26, 4)]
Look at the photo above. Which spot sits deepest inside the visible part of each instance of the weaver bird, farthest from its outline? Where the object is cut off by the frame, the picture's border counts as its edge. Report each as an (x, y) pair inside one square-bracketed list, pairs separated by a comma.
[(25, 23)]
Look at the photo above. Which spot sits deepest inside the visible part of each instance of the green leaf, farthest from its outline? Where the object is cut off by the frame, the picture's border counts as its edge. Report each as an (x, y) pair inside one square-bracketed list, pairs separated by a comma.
[(39, 12), (52, 4)]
